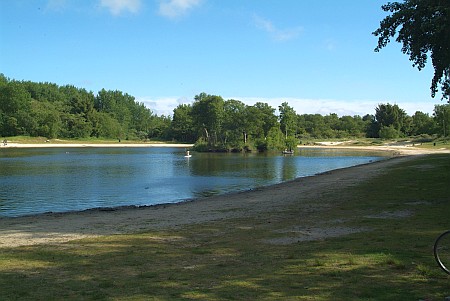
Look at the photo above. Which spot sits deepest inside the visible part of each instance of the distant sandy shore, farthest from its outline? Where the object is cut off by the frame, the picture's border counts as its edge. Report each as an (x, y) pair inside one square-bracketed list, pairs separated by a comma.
[(403, 149), (51, 228), (118, 144)]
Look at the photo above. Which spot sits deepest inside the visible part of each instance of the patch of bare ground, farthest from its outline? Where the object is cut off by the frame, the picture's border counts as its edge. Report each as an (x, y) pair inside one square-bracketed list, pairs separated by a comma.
[(391, 214), (309, 234)]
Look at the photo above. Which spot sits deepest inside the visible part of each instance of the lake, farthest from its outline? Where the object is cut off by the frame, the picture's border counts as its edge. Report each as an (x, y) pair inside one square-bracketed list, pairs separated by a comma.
[(42, 180)]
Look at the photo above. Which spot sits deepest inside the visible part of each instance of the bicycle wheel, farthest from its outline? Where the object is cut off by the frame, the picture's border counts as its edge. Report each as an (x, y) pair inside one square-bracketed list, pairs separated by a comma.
[(442, 251)]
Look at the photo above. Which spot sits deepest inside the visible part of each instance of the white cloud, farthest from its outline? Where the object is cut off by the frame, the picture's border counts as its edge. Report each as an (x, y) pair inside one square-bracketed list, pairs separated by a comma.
[(318, 106), (165, 105), (176, 8), (340, 107), (276, 33), (116, 7)]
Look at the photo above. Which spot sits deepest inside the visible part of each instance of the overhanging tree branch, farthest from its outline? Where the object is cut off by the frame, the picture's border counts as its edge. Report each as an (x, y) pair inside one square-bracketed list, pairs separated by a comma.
[(423, 28)]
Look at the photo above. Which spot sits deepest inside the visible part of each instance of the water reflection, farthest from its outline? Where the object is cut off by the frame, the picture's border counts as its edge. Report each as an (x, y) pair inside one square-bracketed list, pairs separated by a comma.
[(64, 179)]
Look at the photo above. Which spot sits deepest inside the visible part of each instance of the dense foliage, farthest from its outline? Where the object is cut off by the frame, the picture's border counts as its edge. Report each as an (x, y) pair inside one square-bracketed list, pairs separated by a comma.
[(49, 110), (52, 111), (423, 28)]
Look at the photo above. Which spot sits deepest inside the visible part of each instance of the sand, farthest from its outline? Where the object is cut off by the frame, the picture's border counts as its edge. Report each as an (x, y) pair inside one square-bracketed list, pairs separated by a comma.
[(55, 228), (53, 145)]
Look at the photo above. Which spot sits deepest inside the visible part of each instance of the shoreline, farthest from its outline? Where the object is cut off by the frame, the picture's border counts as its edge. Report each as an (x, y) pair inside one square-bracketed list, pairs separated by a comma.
[(164, 205), (395, 149), (56, 228), (70, 145)]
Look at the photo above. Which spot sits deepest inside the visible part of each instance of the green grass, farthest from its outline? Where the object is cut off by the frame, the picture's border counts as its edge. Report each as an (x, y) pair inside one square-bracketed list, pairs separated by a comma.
[(438, 144), (231, 259)]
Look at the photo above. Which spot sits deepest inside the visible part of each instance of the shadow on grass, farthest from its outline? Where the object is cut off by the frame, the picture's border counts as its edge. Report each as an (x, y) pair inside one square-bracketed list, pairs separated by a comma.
[(175, 267), (227, 260)]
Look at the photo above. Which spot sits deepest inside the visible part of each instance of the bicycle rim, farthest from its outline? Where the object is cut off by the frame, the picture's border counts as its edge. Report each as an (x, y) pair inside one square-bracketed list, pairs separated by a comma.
[(442, 251)]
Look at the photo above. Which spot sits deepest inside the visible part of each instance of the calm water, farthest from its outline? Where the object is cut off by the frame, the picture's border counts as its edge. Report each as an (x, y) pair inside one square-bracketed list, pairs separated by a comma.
[(66, 179)]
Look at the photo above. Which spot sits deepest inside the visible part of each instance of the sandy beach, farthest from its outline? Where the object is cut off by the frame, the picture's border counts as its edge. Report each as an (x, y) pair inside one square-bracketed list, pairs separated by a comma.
[(53, 145), (54, 228), (397, 149)]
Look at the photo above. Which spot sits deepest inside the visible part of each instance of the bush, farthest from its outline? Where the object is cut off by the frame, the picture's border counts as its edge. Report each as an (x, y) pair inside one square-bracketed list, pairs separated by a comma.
[(424, 138), (201, 146), (389, 132), (261, 145)]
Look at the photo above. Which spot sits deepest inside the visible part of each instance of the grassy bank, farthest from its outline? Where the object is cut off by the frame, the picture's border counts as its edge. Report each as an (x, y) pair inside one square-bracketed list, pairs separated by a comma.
[(389, 223)]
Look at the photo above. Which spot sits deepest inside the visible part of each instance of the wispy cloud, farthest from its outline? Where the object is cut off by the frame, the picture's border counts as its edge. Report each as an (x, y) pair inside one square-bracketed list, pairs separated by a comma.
[(116, 7), (276, 33), (56, 5), (163, 105), (330, 44), (176, 8)]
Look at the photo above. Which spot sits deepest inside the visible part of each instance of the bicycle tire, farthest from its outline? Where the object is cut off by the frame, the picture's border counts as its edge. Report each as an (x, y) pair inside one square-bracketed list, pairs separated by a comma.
[(442, 251)]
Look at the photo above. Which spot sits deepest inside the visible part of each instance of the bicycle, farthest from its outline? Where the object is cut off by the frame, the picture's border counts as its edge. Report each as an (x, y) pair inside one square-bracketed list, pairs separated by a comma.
[(442, 251)]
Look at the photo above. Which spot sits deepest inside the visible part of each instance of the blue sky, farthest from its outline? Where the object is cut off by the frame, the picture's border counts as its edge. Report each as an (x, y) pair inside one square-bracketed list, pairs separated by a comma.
[(316, 55)]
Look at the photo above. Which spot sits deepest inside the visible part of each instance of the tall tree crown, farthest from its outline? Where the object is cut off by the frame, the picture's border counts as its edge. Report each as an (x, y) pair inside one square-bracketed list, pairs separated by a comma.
[(423, 28)]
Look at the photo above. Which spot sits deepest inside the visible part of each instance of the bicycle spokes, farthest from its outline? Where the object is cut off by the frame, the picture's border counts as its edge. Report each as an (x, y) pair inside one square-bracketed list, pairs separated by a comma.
[(442, 251)]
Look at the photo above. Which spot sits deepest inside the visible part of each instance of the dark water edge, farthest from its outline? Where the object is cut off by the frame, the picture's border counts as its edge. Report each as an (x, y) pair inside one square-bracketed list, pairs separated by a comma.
[(141, 178), (164, 205)]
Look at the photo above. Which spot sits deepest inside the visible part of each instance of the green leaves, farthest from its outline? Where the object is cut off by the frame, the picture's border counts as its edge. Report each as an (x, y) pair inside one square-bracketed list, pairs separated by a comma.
[(48, 110), (423, 28)]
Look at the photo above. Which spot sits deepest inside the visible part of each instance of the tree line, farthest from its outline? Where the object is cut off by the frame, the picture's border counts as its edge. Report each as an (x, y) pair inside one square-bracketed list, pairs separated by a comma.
[(212, 123), (218, 124), (52, 111)]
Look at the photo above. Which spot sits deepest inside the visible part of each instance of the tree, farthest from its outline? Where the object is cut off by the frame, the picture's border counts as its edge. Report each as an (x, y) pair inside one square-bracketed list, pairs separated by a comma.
[(314, 125), (288, 125), (14, 109), (77, 123), (182, 128), (388, 132), (133, 117), (234, 124), (45, 119), (3, 80), (387, 115), (207, 115), (423, 28), (288, 119), (44, 92), (106, 126), (370, 124), (159, 127), (349, 126), (263, 117), (332, 126), (141, 117), (442, 117), (422, 124)]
